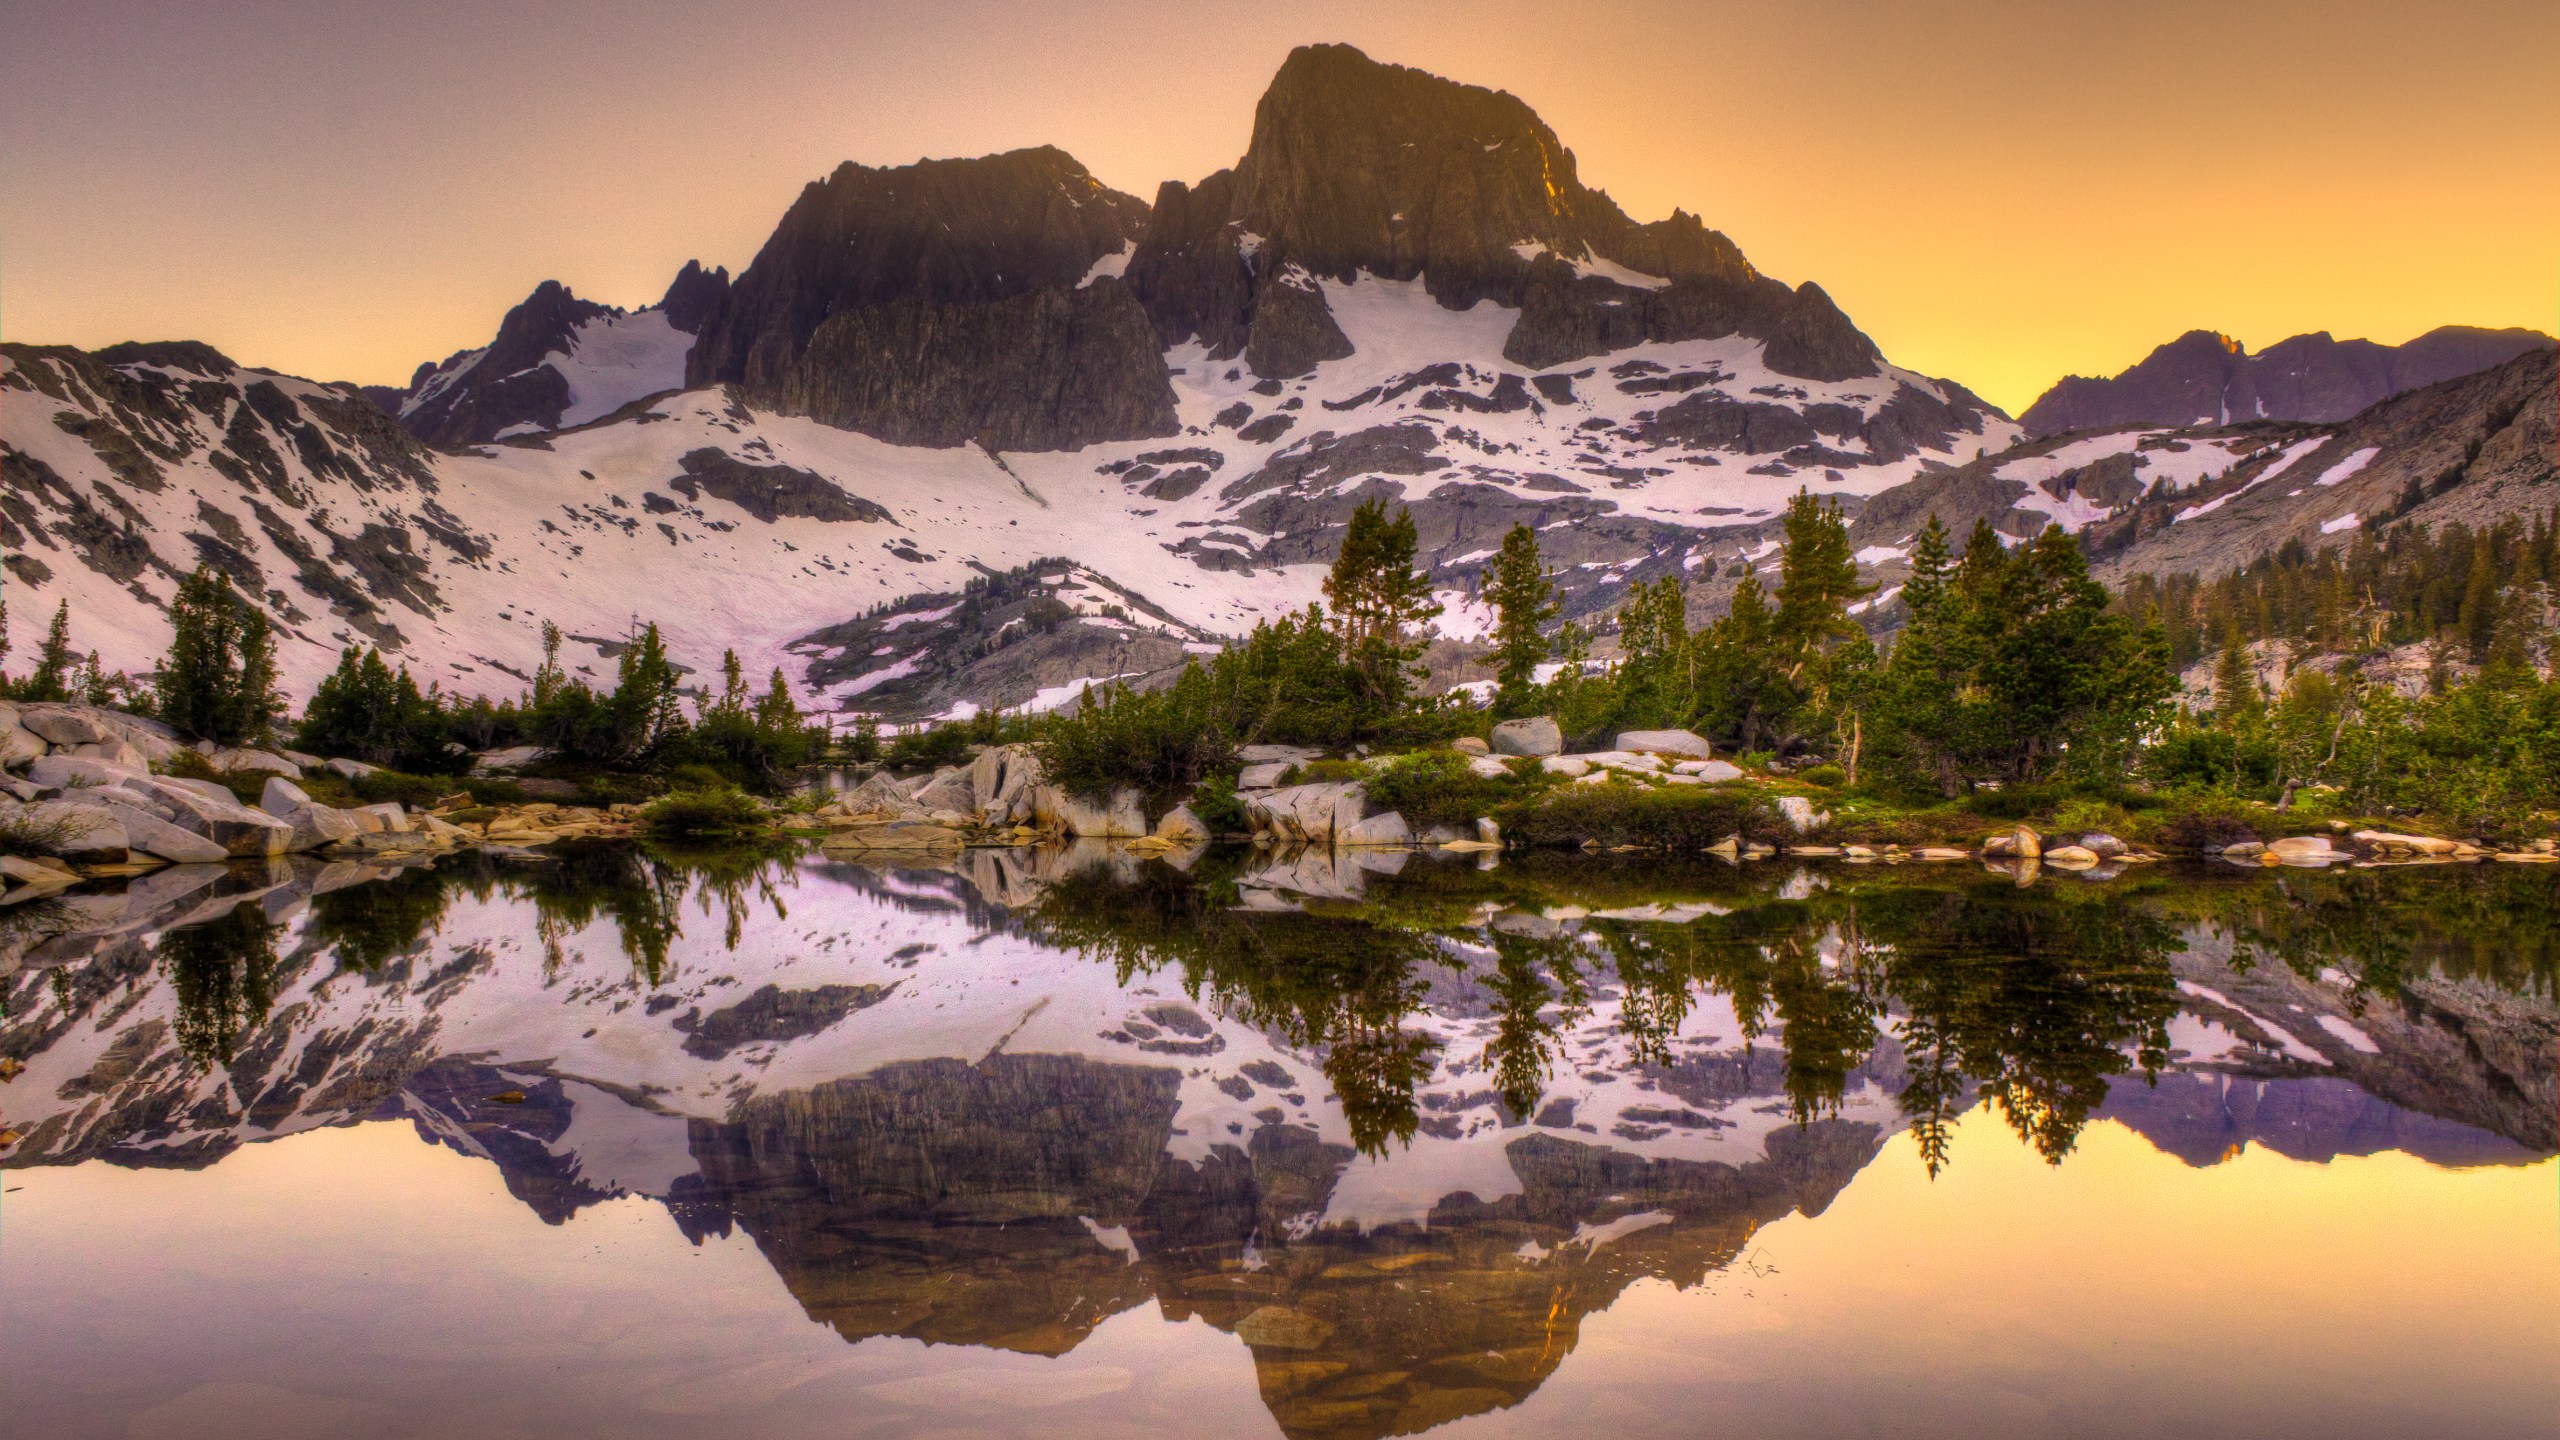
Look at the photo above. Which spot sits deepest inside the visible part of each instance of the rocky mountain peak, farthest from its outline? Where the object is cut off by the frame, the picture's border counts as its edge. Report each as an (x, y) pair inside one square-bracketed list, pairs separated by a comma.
[(1357, 165), (945, 302), (1362, 168), (2207, 378), (937, 232), (693, 295)]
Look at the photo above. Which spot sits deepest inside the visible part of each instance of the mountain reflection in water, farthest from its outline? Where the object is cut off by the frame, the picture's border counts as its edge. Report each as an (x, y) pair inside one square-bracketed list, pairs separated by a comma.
[(1398, 1133)]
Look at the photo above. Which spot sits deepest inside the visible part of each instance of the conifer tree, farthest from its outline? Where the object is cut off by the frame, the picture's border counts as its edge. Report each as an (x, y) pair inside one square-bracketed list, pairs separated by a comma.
[(50, 680), (218, 681), (647, 703), (1381, 607), (1523, 598), (2237, 700), (1817, 578)]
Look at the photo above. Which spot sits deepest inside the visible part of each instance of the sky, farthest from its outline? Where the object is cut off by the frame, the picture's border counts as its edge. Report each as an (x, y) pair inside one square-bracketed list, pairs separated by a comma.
[(1998, 191)]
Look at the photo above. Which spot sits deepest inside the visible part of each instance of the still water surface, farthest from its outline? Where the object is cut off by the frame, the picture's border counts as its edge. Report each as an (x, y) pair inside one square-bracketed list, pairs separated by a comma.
[(625, 1144)]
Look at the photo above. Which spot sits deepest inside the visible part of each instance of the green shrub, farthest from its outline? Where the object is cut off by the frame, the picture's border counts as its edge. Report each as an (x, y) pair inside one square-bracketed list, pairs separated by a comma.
[(1685, 817), (1216, 804), (2193, 820), (249, 786), (1161, 742), (1827, 776), (932, 748), (703, 815), (1436, 787), (2017, 802), (2088, 812)]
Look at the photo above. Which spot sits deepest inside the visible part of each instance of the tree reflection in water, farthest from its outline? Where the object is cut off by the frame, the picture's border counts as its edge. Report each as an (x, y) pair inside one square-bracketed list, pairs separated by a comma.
[(223, 973), (2032, 1000)]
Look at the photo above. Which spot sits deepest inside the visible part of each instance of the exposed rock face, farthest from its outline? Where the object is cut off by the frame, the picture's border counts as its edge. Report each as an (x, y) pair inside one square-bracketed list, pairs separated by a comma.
[(769, 492), (944, 302), (693, 295), (1052, 369), (2202, 378), (1361, 167), (507, 384)]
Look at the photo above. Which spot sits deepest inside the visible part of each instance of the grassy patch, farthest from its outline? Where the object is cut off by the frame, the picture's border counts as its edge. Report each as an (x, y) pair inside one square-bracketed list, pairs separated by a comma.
[(1684, 817), (1437, 787), (703, 815)]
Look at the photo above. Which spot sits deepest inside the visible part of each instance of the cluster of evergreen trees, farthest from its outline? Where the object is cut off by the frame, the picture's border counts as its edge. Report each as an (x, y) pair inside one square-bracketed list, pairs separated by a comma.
[(368, 711), (2013, 666), (2474, 590), (1340, 673)]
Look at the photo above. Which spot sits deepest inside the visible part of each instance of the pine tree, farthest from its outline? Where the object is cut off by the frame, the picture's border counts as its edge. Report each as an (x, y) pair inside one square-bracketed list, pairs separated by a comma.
[(1523, 598), (50, 680), (647, 703), (2477, 620), (2237, 701), (218, 681), (1817, 578), (1382, 608), (1930, 565), (776, 713)]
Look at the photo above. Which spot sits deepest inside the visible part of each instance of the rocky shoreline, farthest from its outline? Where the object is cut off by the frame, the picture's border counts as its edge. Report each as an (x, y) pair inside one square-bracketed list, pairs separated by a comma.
[(91, 797)]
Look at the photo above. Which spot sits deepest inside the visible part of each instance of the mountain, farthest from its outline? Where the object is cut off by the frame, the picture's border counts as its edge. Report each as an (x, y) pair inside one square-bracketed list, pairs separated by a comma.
[(2211, 498), (947, 302), (940, 373), (557, 361), (1358, 168), (2202, 378)]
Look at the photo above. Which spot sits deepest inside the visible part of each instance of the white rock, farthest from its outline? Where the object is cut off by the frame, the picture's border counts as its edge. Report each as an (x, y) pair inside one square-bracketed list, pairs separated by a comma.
[(514, 757), (1275, 754), (395, 821), (1180, 827), (282, 797), (1263, 776), (1489, 768), (1666, 742), (1711, 771), (315, 825), (352, 769), (147, 832), (82, 832), (1536, 736), (268, 760), (18, 745), (1573, 766), (67, 772), (1800, 813), (1383, 830), (1118, 819), (62, 725)]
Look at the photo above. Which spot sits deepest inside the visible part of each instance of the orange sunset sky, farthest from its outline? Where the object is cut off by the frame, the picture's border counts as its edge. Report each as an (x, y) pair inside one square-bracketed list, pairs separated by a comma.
[(1998, 191)]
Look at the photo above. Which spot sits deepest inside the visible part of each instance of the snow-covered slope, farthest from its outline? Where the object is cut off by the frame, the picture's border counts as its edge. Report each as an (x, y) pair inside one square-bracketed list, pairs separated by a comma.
[(737, 528), (557, 361)]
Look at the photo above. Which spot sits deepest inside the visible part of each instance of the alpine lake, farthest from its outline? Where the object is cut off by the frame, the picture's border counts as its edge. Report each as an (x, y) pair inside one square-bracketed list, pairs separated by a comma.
[(623, 1142)]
